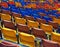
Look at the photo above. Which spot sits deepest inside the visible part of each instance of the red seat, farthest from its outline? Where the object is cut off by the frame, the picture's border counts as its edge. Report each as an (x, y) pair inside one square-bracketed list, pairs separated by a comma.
[(8, 44), (38, 33), (9, 24), (23, 28), (48, 43), (11, 2), (41, 20), (55, 25), (4, 4)]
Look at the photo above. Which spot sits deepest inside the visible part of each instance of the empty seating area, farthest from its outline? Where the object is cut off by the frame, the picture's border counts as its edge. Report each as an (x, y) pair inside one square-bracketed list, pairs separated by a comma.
[(29, 23)]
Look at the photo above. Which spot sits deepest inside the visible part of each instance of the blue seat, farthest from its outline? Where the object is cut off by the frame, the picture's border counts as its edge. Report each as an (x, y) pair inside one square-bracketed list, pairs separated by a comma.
[(29, 10), (35, 15), (26, 11), (13, 7), (15, 10), (23, 3), (21, 0), (4, 0), (53, 11), (15, 0), (34, 11), (56, 15), (47, 18), (5, 8), (41, 10)]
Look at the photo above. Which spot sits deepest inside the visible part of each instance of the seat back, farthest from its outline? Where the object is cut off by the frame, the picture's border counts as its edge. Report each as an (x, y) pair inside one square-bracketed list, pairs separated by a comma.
[(33, 5), (23, 28), (16, 15), (47, 28), (9, 34), (49, 43), (4, 4), (6, 11), (52, 16), (29, 18), (42, 14), (20, 20), (18, 4), (55, 25), (55, 37), (9, 44), (27, 39), (9, 24), (40, 21), (56, 20), (6, 17), (11, 2), (32, 24), (39, 33)]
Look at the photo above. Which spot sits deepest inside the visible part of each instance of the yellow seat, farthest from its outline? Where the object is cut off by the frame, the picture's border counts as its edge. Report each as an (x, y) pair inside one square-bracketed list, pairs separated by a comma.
[(58, 9), (27, 39), (9, 34), (6, 17), (55, 37), (20, 20), (47, 28), (32, 24), (18, 4), (56, 20)]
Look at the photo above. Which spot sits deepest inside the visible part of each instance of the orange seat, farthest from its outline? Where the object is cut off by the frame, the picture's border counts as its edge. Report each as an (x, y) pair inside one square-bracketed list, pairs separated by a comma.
[(18, 4), (32, 24), (56, 20), (20, 20), (27, 39), (33, 6), (55, 37), (47, 28), (9, 34), (5, 17)]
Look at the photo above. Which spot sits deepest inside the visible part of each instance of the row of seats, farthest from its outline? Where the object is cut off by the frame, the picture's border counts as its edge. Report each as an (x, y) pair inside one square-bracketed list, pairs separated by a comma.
[(20, 28), (23, 3), (28, 39), (42, 16), (24, 11), (30, 23), (18, 20)]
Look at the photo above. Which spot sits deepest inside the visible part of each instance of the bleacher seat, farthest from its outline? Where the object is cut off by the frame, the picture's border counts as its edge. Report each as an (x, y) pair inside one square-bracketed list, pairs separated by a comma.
[(32, 24), (20, 20), (9, 24), (9, 34), (27, 39), (23, 28), (39, 33)]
